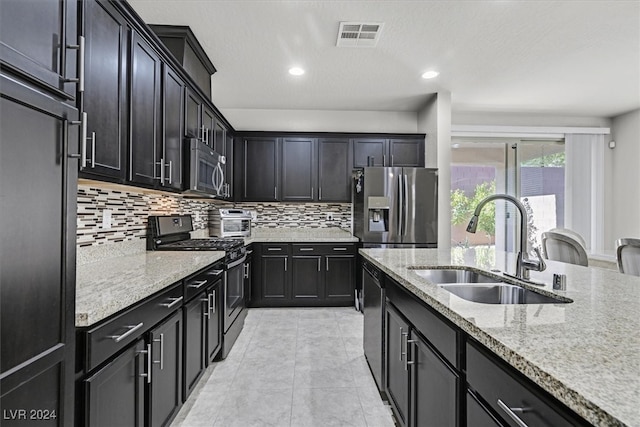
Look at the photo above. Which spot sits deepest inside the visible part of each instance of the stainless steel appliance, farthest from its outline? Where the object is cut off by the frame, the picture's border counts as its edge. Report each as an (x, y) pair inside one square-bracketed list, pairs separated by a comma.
[(395, 206), (230, 222), (204, 170), (373, 308), (171, 233)]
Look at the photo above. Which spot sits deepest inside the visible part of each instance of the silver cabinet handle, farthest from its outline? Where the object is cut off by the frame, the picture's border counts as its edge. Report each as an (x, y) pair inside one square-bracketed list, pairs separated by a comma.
[(274, 249), (170, 171), (511, 412), (404, 336), (312, 192), (173, 302), (327, 262), (207, 312), (402, 353), (285, 264), (306, 249), (391, 160), (212, 305), (339, 249), (318, 263), (408, 362), (246, 271), (161, 361), (198, 284), (93, 149), (249, 253), (320, 193), (132, 329), (149, 362), (161, 163), (80, 47), (275, 192), (384, 160), (215, 272)]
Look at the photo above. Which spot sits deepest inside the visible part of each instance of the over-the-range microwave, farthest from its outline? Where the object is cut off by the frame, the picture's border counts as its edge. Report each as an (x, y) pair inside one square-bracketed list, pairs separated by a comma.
[(205, 172)]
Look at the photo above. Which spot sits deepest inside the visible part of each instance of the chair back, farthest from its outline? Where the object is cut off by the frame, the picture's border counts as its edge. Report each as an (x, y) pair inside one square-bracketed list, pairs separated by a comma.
[(628, 252), (564, 247)]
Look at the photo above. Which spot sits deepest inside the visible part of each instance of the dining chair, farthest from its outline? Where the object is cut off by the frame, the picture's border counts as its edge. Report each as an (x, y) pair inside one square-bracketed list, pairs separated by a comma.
[(564, 245), (628, 252)]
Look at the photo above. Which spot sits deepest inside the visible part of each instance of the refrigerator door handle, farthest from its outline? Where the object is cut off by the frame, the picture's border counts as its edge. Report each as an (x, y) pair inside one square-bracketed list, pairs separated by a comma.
[(400, 209), (405, 207)]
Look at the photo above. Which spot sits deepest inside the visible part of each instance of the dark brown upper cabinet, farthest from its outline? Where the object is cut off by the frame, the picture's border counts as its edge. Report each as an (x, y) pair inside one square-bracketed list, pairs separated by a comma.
[(171, 161), (259, 165), (39, 41), (145, 144), (335, 163), (105, 97), (299, 170), (402, 152)]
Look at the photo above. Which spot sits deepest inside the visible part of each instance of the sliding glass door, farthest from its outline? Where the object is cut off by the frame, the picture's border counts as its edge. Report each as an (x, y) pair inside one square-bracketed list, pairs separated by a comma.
[(532, 171)]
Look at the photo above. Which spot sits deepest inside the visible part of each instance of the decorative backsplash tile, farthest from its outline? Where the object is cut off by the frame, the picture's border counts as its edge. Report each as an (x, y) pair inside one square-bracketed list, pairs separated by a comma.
[(131, 206)]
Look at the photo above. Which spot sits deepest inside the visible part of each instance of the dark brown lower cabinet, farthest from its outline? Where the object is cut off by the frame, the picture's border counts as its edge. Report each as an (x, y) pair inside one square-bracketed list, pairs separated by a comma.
[(339, 277), (214, 306), (306, 279), (165, 386), (194, 343), (115, 393), (397, 376)]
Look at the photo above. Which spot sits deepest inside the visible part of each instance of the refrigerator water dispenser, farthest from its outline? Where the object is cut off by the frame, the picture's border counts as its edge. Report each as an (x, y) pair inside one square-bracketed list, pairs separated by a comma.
[(378, 214)]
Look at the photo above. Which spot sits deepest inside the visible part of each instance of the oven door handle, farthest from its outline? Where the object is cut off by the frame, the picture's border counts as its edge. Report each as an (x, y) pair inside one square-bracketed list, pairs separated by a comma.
[(237, 262)]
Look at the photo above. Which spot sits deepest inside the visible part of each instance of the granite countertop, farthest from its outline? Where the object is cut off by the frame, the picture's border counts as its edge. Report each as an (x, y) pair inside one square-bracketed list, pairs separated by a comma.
[(585, 353), (112, 283), (329, 235)]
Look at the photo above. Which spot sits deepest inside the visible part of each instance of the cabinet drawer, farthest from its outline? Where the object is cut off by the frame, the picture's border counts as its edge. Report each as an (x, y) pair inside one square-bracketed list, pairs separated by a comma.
[(322, 248), (275, 249), (496, 383), (115, 334), (200, 281), (431, 325)]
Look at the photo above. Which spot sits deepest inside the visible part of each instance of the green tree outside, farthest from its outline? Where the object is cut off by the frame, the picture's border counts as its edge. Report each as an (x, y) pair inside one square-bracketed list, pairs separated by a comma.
[(462, 207)]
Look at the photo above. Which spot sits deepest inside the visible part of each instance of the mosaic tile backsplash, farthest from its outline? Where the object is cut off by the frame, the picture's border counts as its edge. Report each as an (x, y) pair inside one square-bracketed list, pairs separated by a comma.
[(131, 206)]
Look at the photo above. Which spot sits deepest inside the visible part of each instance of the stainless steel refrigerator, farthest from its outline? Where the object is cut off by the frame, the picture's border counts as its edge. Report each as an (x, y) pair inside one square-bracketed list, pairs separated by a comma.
[(395, 207)]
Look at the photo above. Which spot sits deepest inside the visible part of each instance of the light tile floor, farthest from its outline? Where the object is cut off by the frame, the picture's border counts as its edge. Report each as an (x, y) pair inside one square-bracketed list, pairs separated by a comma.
[(290, 367)]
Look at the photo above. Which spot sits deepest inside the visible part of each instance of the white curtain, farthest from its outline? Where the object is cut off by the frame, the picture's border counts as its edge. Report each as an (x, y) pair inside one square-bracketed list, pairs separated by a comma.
[(584, 186)]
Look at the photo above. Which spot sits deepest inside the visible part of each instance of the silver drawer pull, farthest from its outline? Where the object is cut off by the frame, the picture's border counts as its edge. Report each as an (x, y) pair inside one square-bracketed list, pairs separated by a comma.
[(249, 252), (274, 249), (306, 249), (339, 249), (173, 302), (132, 329), (511, 412), (198, 284), (215, 272)]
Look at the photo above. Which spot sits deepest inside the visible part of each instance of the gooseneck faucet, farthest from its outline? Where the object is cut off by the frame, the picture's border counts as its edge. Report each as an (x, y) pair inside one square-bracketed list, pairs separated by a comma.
[(524, 264)]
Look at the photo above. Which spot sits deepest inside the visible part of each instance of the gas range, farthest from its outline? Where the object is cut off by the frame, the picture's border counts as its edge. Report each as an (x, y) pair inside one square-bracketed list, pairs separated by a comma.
[(171, 233)]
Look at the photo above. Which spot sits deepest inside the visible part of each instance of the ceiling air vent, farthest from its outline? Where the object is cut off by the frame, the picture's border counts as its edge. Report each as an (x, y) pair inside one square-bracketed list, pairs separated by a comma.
[(359, 34)]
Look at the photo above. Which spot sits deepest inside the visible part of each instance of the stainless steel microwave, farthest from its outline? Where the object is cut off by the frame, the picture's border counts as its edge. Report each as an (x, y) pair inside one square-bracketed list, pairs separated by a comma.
[(229, 223), (206, 171)]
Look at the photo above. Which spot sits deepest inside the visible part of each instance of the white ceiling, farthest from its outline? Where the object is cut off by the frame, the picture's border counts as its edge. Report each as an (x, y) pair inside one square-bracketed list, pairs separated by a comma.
[(541, 57)]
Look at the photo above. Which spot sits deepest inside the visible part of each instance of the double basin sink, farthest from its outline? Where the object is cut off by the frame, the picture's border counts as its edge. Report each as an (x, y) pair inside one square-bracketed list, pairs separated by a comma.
[(475, 286)]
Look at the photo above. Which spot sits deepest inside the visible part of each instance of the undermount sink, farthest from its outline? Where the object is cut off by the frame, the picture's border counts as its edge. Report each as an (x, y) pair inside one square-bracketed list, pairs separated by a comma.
[(482, 288)]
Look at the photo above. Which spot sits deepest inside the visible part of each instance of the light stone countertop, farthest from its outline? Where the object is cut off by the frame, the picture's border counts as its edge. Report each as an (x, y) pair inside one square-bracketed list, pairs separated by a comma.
[(114, 283), (292, 235), (585, 353)]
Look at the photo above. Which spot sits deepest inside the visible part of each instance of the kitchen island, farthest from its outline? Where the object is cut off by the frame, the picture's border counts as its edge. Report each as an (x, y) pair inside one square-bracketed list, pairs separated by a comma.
[(586, 354)]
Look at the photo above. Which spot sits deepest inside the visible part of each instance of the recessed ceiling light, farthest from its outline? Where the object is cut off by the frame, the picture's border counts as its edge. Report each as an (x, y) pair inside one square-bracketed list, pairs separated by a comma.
[(296, 71), (430, 74)]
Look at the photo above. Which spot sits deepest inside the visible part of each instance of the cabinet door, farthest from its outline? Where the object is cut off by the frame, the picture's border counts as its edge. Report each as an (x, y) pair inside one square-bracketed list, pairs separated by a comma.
[(115, 394), (165, 389), (260, 183), (306, 278), (173, 122), (363, 148), (407, 152), (33, 40), (274, 278), (194, 343), (208, 125), (434, 387), (145, 143), (397, 380), (219, 138), (192, 118), (105, 96), (37, 279), (340, 278), (298, 169), (335, 163), (213, 315), (247, 278)]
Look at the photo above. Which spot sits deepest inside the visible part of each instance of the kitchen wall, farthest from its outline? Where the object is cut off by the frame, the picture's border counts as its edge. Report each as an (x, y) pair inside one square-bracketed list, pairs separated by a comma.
[(131, 206), (622, 191)]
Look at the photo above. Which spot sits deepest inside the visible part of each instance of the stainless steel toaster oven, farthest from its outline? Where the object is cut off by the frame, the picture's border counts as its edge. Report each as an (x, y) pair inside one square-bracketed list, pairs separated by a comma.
[(229, 222)]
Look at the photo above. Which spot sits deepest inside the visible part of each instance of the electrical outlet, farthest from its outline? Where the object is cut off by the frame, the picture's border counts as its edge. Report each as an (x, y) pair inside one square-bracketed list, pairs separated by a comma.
[(329, 216), (106, 219)]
